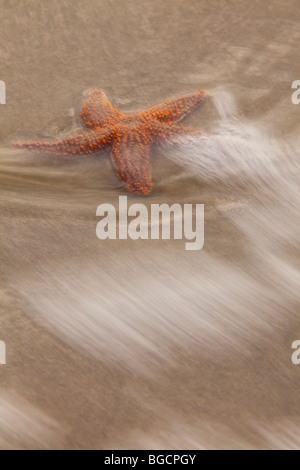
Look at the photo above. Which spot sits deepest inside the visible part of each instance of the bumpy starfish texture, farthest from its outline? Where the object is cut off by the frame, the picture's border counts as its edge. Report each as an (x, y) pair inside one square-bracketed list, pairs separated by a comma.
[(129, 137)]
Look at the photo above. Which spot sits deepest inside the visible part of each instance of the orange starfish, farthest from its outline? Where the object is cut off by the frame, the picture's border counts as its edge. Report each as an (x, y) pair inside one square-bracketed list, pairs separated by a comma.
[(130, 137)]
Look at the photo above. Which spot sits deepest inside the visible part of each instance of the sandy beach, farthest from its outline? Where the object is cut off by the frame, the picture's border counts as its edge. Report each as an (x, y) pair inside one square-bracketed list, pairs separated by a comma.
[(140, 344)]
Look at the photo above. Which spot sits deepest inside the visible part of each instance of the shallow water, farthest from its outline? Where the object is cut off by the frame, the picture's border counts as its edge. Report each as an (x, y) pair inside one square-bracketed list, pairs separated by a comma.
[(141, 344)]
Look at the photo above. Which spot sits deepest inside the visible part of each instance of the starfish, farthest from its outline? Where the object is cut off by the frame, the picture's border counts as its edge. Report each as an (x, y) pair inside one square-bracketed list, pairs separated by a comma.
[(130, 137)]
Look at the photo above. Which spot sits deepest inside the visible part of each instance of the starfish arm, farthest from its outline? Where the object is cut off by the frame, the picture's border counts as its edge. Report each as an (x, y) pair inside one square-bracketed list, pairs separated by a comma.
[(97, 111), (132, 164), (175, 110), (92, 141)]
